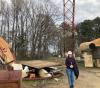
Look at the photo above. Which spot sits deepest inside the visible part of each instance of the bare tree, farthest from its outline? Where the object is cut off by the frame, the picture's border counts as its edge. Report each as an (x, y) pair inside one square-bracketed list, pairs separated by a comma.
[(30, 26)]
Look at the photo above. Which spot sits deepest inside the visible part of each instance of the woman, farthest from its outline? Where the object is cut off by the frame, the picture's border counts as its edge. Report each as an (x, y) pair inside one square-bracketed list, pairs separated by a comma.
[(71, 68)]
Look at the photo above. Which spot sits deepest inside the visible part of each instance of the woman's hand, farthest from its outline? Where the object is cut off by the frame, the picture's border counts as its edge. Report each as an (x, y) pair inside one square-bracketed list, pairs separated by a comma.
[(71, 66)]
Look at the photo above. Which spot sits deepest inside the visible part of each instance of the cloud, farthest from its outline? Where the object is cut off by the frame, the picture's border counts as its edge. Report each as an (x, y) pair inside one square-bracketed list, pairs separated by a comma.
[(87, 9), (8, 1)]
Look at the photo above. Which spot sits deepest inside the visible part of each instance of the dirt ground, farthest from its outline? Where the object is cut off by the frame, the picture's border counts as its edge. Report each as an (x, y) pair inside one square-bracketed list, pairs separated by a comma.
[(86, 80), (89, 78)]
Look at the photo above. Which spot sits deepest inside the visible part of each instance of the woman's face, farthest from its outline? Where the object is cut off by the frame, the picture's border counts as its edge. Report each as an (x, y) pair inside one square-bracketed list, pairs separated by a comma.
[(70, 55)]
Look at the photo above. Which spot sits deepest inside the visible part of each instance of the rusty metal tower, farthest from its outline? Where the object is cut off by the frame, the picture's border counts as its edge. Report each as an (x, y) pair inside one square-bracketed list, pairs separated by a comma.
[(69, 19)]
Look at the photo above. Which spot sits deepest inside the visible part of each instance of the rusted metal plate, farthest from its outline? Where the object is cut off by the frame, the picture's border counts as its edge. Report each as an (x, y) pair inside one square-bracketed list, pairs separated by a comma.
[(96, 42), (9, 75), (4, 75), (4, 48), (39, 64), (9, 85), (10, 79)]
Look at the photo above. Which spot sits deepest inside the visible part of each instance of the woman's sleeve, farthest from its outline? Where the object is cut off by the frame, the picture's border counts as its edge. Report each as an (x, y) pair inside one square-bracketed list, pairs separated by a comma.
[(76, 70), (75, 64)]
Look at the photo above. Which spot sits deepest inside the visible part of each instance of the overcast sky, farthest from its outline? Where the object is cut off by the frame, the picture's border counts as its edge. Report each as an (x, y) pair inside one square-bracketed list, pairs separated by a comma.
[(85, 9)]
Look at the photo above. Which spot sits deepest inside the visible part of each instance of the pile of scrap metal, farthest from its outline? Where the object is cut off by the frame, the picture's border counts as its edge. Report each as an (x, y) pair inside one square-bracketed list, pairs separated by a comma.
[(91, 52), (38, 69), (30, 69), (9, 78)]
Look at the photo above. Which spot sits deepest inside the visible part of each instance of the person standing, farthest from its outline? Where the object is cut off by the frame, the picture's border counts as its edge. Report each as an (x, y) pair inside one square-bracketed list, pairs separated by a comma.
[(71, 68)]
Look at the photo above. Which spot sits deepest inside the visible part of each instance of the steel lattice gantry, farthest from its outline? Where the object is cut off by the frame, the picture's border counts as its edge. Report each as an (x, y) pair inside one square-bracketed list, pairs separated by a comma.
[(69, 24)]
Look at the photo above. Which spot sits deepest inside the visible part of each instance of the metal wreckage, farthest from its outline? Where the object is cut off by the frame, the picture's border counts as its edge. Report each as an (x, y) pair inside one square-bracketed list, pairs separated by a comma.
[(12, 71)]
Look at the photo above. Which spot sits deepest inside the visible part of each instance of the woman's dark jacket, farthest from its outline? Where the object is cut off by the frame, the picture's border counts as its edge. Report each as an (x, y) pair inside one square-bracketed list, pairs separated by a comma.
[(72, 61)]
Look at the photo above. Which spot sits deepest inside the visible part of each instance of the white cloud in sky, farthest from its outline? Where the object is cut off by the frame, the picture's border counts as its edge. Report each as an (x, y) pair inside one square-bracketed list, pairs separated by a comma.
[(86, 1), (8, 1), (85, 9)]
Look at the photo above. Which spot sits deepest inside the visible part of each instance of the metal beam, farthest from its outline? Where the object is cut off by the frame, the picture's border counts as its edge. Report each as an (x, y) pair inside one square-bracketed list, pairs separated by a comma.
[(69, 19)]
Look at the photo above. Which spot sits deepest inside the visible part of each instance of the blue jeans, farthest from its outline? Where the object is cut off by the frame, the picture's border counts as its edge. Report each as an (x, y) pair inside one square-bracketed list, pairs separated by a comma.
[(70, 74)]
